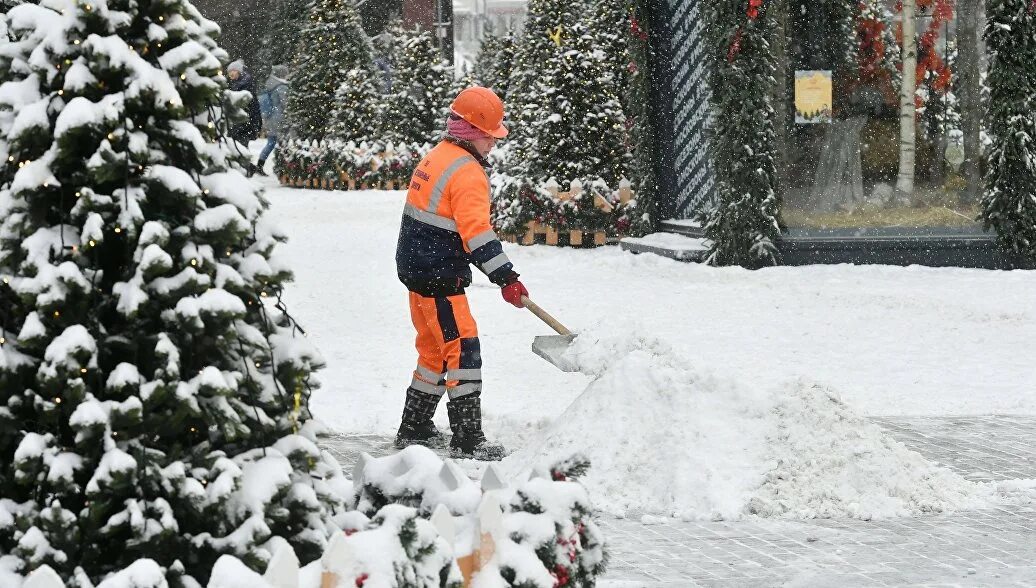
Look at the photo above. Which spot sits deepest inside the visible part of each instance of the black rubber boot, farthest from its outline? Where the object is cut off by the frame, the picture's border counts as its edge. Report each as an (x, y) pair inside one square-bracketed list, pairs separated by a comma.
[(417, 427), (469, 442)]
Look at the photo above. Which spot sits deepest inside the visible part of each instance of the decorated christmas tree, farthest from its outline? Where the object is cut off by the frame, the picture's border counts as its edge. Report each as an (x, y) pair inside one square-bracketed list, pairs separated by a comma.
[(569, 121), (152, 402), (536, 64), (495, 60), (357, 115), (743, 221), (412, 111), (331, 44), (1008, 205), (282, 35), (573, 76), (623, 35)]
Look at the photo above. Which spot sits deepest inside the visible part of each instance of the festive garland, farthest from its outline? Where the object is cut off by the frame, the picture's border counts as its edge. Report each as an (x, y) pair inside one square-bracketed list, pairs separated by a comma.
[(517, 202), (373, 164), (752, 12)]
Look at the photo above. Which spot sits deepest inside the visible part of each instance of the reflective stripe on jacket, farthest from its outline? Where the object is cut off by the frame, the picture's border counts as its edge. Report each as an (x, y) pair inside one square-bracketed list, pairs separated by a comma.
[(446, 226)]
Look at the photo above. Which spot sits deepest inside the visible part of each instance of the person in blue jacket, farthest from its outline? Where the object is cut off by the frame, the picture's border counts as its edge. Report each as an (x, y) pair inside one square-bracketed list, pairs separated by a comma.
[(271, 104)]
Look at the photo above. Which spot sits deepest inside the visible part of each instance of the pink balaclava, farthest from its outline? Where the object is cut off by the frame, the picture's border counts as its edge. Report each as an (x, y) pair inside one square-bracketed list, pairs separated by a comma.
[(461, 129)]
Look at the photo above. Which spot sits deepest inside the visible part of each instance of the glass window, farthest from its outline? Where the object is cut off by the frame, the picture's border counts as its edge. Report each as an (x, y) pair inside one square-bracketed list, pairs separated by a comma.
[(839, 80)]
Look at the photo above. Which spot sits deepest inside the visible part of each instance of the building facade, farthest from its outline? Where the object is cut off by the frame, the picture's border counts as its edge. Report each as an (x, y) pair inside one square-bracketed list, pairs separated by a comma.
[(473, 19)]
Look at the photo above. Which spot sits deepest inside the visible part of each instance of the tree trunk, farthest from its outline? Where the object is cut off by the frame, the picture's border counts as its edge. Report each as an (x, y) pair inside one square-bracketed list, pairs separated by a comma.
[(907, 119), (969, 92)]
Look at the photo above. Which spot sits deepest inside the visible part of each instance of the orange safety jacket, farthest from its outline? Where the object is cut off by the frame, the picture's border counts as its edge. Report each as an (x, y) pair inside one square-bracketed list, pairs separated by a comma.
[(446, 227)]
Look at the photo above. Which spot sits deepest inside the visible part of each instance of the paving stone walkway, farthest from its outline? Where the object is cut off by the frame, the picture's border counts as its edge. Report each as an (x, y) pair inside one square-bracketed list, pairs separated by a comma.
[(988, 547)]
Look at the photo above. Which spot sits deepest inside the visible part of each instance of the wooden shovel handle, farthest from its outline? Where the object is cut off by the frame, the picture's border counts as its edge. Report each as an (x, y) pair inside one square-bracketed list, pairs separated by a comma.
[(543, 316)]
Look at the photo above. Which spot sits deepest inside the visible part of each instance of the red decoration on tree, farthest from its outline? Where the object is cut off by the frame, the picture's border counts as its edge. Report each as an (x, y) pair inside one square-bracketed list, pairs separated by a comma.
[(361, 579), (735, 47), (753, 9), (753, 13), (560, 576), (636, 30)]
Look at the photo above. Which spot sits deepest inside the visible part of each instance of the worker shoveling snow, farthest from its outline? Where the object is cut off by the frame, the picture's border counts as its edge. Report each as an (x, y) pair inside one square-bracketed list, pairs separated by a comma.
[(665, 439)]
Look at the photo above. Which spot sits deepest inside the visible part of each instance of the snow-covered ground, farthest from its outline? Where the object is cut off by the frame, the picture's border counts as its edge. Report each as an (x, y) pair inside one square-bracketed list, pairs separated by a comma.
[(758, 356)]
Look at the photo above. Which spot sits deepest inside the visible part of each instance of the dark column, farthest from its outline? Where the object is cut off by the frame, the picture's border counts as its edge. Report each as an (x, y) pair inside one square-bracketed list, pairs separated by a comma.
[(444, 28), (660, 55)]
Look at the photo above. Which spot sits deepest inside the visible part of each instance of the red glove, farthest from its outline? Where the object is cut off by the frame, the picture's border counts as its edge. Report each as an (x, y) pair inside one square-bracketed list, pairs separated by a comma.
[(513, 293)]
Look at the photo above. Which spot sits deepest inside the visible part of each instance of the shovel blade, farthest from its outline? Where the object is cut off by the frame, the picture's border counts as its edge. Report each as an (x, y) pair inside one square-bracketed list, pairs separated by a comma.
[(552, 348)]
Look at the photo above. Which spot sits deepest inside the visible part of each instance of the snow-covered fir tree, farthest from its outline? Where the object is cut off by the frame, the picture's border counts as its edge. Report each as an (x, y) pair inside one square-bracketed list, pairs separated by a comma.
[(641, 119), (743, 221), (281, 40), (620, 30), (569, 121), (357, 115), (495, 60), (593, 69), (547, 535), (536, 64), (331, 43), (412, 111), (149, 397), (409, 552), (573, 75), (1009, 204)]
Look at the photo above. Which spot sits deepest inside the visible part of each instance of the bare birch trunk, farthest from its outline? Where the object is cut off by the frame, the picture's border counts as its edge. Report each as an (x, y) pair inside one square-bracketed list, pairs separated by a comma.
[(907, 119)]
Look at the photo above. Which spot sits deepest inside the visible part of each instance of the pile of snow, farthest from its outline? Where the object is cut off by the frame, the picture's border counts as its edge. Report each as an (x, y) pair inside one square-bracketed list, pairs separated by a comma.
[(665, 439)]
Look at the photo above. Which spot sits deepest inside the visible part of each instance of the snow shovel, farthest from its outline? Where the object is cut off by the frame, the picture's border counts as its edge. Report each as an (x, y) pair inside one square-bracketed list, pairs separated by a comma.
[(552, 347)]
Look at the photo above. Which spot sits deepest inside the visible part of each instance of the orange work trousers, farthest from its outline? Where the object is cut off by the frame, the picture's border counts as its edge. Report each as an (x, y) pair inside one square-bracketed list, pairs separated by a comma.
[(449, 359)]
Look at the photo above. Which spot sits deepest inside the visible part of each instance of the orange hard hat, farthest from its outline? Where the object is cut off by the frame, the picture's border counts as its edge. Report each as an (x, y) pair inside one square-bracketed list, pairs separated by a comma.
[(482, 108)]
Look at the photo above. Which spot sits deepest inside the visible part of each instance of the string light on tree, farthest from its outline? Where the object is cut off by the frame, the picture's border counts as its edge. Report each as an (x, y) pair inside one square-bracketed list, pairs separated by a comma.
[(329, 46), (92, 335)]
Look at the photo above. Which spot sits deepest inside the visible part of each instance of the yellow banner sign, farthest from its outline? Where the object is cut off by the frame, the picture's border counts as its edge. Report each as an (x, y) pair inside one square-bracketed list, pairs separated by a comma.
[(813, 96)]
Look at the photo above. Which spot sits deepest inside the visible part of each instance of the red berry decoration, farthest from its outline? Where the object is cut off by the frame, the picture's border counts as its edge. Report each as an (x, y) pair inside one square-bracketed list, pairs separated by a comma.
[(360, 580), (560, 576)]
